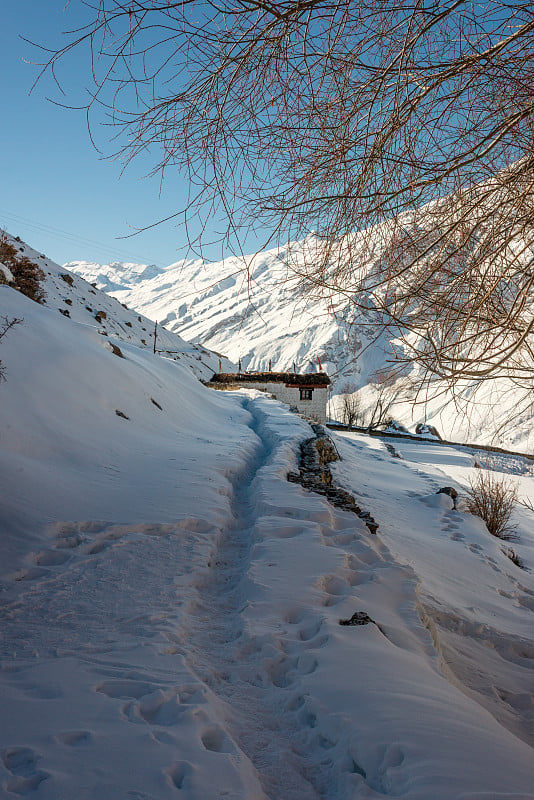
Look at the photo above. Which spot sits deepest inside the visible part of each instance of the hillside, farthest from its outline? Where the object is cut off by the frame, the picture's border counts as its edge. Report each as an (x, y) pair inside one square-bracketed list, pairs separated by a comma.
[(265, 316), (76, 299)]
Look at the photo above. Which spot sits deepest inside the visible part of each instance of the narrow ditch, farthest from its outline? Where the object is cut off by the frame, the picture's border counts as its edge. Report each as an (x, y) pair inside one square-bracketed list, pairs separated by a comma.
[(316, 453)]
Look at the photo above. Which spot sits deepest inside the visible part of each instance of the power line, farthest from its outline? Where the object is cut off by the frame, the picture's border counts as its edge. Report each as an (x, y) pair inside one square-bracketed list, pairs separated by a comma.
[(72, 238)]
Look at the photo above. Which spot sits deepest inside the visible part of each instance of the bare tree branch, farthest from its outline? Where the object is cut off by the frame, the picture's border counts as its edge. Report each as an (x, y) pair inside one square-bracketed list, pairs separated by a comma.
[(402, 134)]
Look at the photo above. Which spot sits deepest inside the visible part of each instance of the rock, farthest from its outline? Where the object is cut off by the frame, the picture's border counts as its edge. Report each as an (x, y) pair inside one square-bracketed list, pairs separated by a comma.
[(315, 475), (358, 618), (396, 427), (369, 521), (427, 430), (450, 490), (115, 349)]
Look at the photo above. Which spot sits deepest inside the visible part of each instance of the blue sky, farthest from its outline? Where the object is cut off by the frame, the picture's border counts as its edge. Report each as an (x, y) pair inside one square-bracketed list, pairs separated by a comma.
[(58, 193)]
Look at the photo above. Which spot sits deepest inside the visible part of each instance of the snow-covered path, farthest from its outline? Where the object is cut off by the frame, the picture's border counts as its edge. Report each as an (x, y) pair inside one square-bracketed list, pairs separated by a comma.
[(225, 657)]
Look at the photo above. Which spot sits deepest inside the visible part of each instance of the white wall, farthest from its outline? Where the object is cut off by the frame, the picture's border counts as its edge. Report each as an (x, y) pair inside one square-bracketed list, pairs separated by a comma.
[(313, 409)]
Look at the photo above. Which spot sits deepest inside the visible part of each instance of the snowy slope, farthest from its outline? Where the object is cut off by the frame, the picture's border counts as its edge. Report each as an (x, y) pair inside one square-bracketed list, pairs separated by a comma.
[(253, 320), (266, 317), (170, 602), (78, 300)]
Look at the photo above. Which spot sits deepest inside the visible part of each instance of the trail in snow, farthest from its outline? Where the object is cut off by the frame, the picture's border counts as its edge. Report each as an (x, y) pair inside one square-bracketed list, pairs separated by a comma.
[(262, 712), (264, 676)]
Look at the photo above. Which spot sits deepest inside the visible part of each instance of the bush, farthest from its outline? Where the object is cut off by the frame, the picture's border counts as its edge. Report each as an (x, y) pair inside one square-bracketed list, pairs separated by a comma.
[(27, 274), (493, 499), (28, 277), (8, 253)]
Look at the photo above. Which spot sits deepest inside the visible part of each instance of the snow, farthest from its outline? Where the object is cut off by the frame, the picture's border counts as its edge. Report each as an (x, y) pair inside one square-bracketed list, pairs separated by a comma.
[(256, 311), (170, 603), (6, 273), (77, 299)]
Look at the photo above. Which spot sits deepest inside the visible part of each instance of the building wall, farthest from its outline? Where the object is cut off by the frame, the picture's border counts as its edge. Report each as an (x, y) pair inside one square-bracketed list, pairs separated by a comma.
[(314, 409)]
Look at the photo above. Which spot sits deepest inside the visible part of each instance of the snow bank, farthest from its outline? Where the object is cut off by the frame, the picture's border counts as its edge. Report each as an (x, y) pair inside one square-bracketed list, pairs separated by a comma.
[(91, 435)]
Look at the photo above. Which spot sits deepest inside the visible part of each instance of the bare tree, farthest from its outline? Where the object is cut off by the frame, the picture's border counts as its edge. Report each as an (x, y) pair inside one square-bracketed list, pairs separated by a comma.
[(350, 405), (388, 388), (5, 326), (402, 133)]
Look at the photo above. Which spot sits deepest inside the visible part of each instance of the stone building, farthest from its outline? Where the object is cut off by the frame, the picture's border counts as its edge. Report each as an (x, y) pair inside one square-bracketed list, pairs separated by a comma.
[(306, 393)]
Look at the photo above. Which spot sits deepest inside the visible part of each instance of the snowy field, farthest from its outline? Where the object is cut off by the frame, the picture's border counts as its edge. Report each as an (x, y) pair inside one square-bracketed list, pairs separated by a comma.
[(170, 603)]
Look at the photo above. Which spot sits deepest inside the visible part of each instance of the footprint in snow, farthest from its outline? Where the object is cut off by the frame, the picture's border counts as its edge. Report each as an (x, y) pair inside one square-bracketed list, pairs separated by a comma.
[(278, 671), (74, 738), (31, 574), (49, 558), (21, 762), (178, 774), (216, 740)]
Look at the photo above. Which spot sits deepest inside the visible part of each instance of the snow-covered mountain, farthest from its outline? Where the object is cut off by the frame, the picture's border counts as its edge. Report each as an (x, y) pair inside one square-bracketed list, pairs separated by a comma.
[(256, 313), (253, 318), (170, 602)]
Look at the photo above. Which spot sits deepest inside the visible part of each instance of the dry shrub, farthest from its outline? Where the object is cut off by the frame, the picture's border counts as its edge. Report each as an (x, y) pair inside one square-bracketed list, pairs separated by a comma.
[(493, 499), (326, 450), (28, 277), (351, 411), (5, 326), (27, 274), (8, 253)]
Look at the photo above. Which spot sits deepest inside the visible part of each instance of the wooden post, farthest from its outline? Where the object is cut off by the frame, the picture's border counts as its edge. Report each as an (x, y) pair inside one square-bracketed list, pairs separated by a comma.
[(155, 335)]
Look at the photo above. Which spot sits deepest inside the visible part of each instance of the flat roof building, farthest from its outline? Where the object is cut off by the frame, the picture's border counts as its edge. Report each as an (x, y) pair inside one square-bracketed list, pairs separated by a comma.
[(307, 393)]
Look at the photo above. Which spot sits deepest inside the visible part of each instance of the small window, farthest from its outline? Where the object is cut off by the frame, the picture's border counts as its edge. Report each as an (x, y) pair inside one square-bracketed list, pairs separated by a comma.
[(306, 394)]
